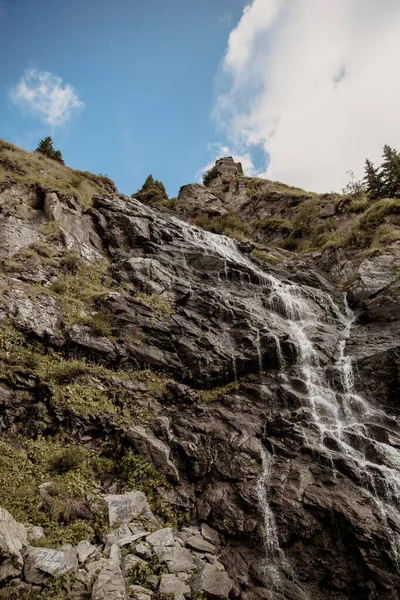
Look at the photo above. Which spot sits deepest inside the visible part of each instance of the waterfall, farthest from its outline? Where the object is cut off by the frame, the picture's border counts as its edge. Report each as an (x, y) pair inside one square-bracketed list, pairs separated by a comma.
[(342, 419)]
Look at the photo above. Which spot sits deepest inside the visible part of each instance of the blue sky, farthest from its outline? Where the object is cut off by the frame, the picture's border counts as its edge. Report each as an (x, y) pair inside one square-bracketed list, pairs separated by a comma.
[(301, 91), (147, 72)]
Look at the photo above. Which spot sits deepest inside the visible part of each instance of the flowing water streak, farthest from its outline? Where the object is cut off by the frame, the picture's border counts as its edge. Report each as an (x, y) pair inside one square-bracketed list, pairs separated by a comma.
[(274, 556), (340, 416)]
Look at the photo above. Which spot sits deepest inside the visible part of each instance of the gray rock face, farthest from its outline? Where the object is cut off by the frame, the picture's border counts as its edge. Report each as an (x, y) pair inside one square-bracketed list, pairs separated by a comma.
[(215, 584), (13, 539), (193, 309)]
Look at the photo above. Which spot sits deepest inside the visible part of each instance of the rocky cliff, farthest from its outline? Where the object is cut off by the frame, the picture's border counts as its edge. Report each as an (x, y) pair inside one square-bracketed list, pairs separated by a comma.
[(236, 396)]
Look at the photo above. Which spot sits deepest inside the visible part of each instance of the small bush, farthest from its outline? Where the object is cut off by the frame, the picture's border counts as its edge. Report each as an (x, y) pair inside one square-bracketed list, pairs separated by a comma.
[(53, 231), (66, 460), (153, 192), (71, 262), (66, 371), (210, 175), (101, 323), (290, 244)]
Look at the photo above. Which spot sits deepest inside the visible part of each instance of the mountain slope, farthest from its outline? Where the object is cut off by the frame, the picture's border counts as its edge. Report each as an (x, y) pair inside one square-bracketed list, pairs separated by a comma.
[(138, 352)]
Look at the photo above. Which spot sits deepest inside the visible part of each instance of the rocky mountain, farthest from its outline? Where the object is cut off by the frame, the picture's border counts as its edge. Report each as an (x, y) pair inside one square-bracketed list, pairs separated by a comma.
[(193, 414)]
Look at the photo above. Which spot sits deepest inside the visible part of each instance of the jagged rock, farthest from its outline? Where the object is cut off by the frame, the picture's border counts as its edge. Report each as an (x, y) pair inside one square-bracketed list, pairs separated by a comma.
[(162, 537), (199, 544), (171, 584), (215, 584), (82, 335), (193, 308), (34, 532), (85, 550), (52, 207), (143, 550), (40, 315), (140, 592), (43, 563), (124, 508), (210, 534), (154, 450), (177, 559), (214, 561), (129, 561), (195, 199), (109, 584), (374, 274), (13, 539)]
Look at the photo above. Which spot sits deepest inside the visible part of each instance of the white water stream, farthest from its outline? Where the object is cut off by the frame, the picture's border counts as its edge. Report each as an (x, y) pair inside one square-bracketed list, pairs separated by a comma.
[(341, 418)]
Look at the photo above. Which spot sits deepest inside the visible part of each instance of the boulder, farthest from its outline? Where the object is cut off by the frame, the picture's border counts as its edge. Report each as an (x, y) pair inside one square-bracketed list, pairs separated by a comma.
[(162, 537), (198, 543), (127, 507), (13, 539), (215, 584), (171, 584), (176, 558), (109, 584), (129, 561), (210, 534), (85, 550), (43, 563)]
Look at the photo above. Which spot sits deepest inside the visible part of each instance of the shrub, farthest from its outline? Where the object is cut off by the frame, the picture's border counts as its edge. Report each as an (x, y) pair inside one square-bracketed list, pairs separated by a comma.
[(152, 192), (66, 460), (304, 217), (210, 175), (66, 371), (377, 212), (71, 262), (101, 323)]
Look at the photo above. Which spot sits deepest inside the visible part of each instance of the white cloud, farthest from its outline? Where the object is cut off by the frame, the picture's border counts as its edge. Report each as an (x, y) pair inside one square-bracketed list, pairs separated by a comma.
[(316, 83), (218, 150), (45, 95)]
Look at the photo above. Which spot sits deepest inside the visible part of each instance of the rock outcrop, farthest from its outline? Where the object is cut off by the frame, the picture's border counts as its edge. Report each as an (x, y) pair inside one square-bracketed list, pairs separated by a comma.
[(237, 422)]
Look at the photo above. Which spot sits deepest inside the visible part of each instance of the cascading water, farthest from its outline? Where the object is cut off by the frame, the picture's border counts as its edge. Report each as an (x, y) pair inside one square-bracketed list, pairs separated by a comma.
[(342, 419)]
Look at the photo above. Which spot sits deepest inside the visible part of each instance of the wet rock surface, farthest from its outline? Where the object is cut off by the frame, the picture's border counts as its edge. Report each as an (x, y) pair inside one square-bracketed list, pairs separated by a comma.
[(215, 324)]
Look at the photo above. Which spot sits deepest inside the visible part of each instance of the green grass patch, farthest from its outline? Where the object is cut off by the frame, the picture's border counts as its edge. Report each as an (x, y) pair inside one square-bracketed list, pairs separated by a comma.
[(33, 168), (275, 224), (228, 224), (266, 257), (155, 301)]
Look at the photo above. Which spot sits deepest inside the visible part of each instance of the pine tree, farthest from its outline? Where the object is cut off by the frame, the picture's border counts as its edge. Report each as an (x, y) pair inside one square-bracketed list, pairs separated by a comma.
[(391, 172), (152, 192), (46, 147), (373, 180)]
